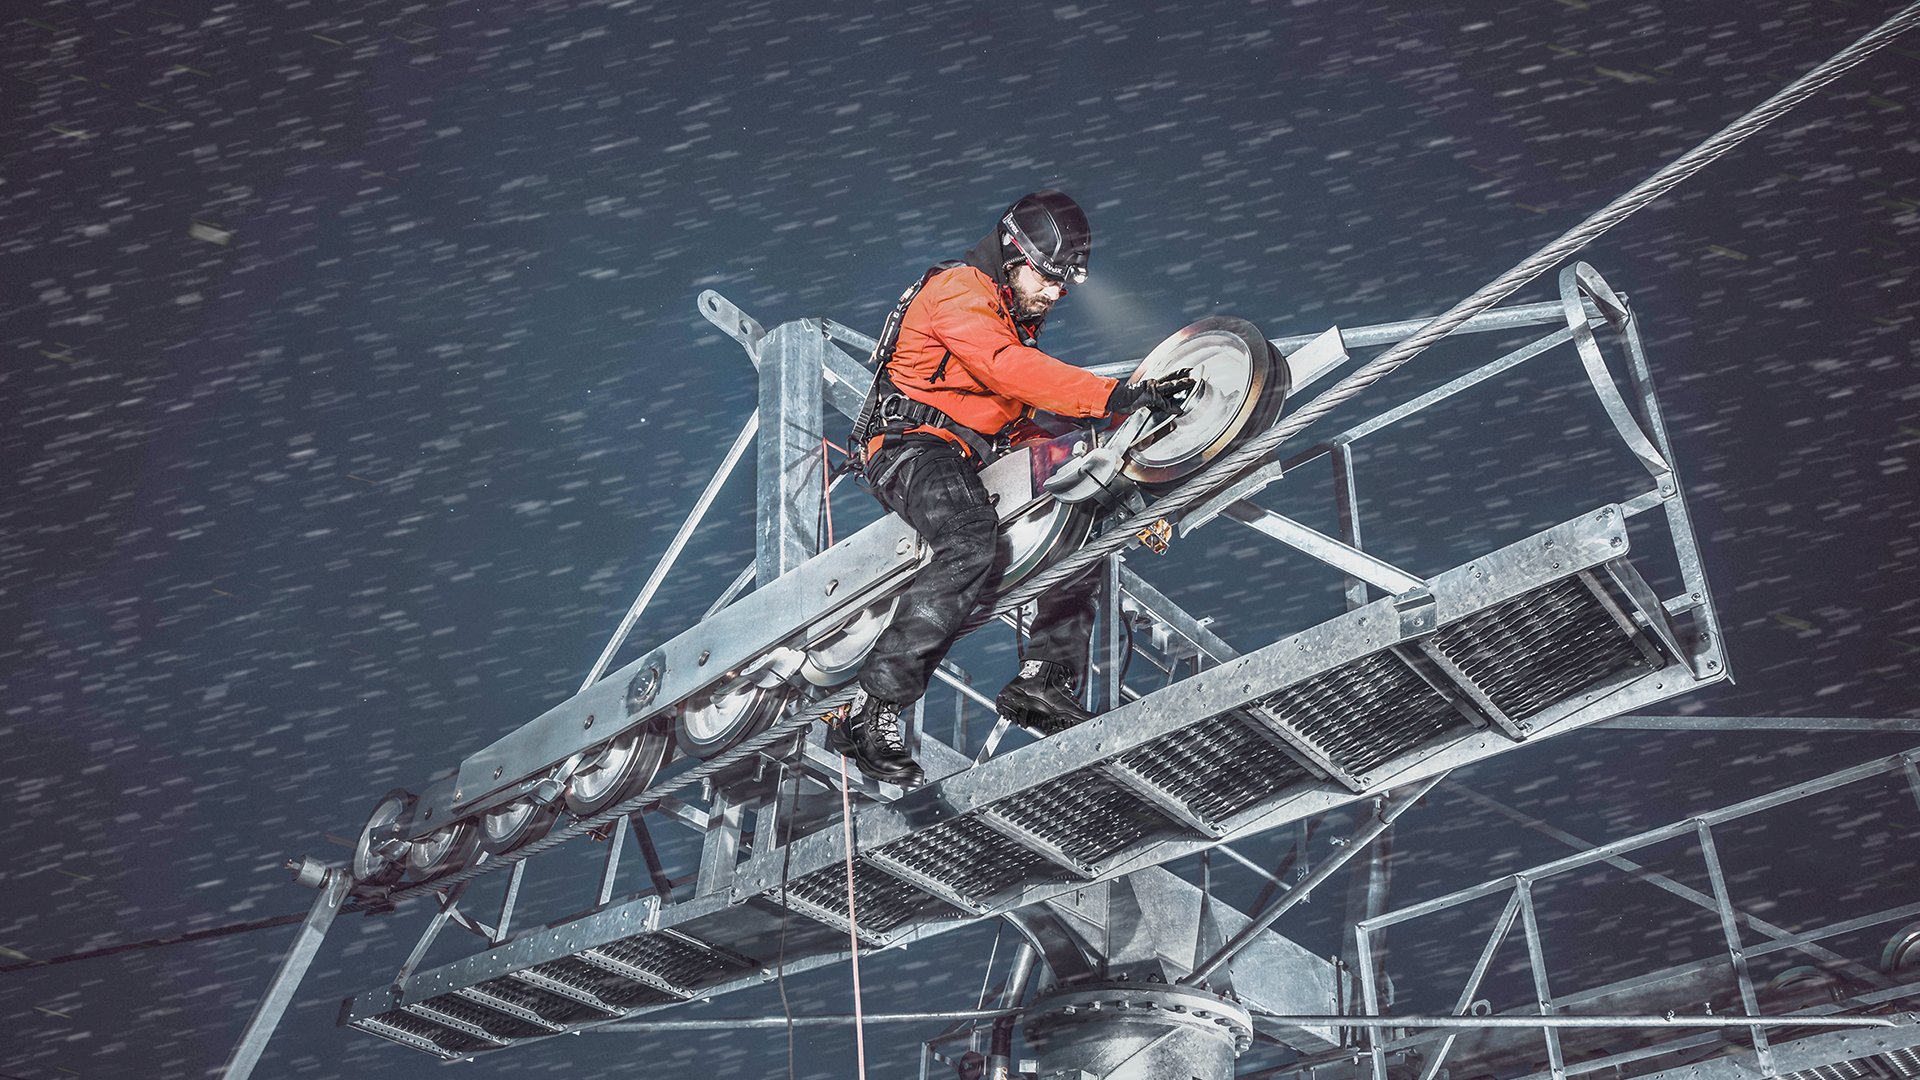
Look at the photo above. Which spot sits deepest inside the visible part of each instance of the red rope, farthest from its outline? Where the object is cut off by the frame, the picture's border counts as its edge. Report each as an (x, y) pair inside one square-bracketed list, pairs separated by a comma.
[(853, 921), (826, 487)]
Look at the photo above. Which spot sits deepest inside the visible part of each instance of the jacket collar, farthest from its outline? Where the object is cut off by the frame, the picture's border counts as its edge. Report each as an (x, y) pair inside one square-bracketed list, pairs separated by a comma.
[(985, 257)]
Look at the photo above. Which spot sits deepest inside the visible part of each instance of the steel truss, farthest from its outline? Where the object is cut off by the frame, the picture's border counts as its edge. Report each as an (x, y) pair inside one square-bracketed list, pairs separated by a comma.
[(1554, 632), (1677, 986)]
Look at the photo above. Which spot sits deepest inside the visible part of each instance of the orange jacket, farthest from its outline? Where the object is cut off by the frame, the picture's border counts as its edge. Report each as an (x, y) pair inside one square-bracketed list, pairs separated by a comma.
[(992, 376)]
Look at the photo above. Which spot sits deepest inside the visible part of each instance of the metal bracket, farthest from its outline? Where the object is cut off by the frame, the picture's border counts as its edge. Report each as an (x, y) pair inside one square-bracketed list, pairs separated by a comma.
[(737, 324), (1317, 357), (1581, 280), (1418, 613)]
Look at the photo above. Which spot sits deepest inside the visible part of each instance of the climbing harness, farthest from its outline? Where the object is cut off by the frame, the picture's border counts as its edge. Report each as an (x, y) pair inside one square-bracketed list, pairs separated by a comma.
[(886, 411)]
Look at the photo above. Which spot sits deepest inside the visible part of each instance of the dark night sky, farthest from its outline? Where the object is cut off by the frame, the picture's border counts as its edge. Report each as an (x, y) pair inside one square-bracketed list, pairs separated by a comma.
[(354, 384)]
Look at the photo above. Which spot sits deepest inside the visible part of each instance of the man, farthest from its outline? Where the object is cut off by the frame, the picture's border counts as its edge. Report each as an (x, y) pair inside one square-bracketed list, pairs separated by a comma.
[(962, 371)]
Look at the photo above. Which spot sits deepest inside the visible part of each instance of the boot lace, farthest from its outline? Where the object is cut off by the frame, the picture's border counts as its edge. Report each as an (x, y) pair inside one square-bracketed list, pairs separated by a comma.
[(886, 727)]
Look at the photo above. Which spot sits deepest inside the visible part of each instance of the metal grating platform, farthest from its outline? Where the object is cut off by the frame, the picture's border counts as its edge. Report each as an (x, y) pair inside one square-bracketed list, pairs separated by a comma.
[(1085, 816), (1216, 768), (1360, 715), (1531, 640), (1493, 650), (884, 901), (968, 860)]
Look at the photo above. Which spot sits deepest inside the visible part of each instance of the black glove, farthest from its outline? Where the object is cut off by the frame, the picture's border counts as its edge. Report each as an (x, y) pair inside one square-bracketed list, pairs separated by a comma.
[(1168, 393)]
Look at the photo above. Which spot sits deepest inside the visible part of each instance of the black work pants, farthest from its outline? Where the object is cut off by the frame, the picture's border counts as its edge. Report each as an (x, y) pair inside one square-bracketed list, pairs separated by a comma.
[(938, 492)]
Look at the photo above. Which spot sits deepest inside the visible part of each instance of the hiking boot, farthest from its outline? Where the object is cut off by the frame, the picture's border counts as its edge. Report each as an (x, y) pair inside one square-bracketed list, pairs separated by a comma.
[(1042, 699), (879, 734)]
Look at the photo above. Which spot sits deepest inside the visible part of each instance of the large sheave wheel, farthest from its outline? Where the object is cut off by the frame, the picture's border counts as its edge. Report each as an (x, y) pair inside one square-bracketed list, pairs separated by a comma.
[(835, 658), (1241, 386), (1032, 540)]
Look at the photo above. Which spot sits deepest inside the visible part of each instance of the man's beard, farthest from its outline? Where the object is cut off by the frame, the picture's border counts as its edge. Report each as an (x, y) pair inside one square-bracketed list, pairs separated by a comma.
[(1030, 306)]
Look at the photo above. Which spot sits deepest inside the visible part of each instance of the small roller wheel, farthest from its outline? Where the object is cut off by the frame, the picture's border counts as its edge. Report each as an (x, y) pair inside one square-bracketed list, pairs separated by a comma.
[(617, 770), (442, 851), (833, 659), (515, 824), (1902, 954), (718, 722), (380, 852)]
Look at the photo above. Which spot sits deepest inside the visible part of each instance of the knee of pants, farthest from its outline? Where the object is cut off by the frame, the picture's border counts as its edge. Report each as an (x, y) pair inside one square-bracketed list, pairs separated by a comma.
[(967, 544)]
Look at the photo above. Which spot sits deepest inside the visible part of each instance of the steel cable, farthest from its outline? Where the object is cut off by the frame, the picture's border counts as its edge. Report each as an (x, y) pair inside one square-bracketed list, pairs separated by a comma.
[(1226, 469), (204, 934)]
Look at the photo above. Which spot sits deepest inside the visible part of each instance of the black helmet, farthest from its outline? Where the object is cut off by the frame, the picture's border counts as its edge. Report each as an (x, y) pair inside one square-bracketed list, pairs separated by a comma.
[(1050, 231)]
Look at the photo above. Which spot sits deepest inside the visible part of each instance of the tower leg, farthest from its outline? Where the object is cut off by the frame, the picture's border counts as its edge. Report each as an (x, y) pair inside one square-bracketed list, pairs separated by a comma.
[(273, 1004)]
